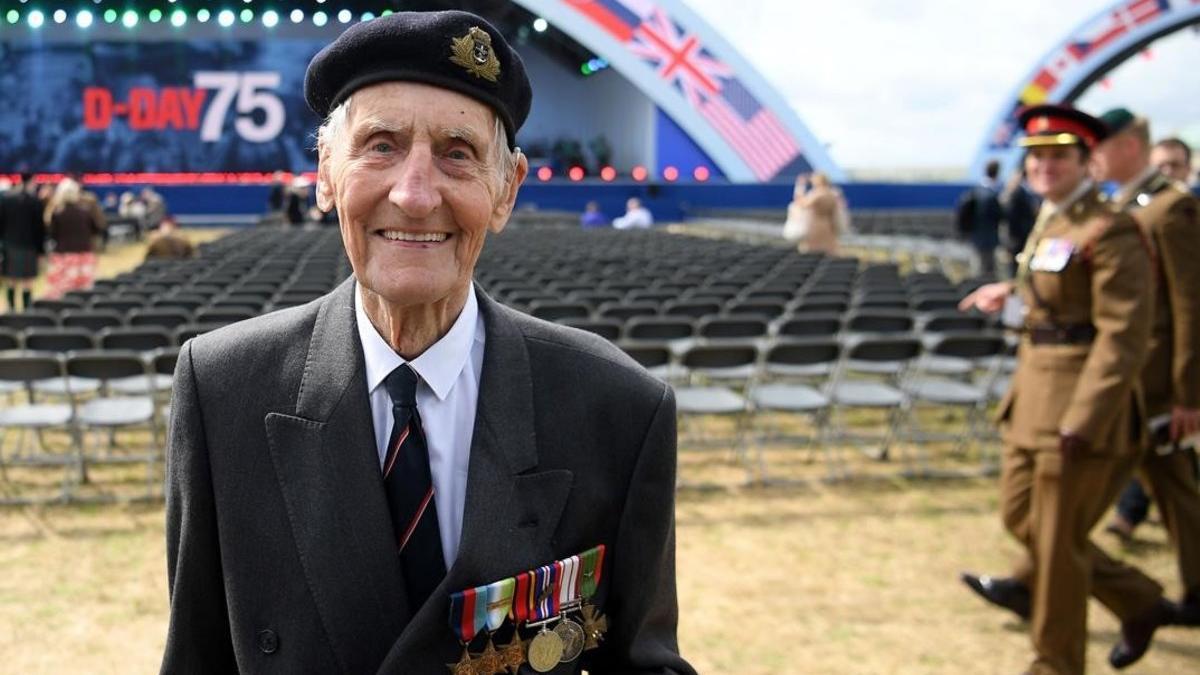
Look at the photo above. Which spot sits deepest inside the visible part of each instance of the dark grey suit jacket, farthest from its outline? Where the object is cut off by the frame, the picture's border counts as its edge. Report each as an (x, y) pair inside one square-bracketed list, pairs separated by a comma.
[(279, 543)]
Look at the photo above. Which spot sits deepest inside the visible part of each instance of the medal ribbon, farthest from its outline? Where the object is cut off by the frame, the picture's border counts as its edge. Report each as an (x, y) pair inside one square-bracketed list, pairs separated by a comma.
[(499, 602), (523, 598), (468, 612), (545, 593), (592, 563), (569, 586)]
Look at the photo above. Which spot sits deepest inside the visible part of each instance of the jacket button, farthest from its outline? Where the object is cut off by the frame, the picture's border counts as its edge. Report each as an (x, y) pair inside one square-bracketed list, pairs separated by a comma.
[(268, 642)]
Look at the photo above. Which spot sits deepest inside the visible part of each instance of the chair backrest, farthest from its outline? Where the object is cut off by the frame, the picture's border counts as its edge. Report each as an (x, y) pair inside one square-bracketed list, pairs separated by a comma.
[(165, 318), (707, 356), (766, 310), (659, 328), (625, 311), (879, 322), (968, 345), (952, 321), (32, 318), (810, 325), (140, 339), (94, 320), (57, 305), (9, 339), (59, 340), (880, 348), (190, 330), (163, 360), (24, 366), (222, 316), (808, 305), (121, 305), (692, 309), (930, 303), (609, 329), (720, 327), (553, 311), (106, 364), (648, 355), (804, 352)]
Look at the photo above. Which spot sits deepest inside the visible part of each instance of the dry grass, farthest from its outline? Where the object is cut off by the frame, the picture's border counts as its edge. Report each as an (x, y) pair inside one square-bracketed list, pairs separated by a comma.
[(843, 578)]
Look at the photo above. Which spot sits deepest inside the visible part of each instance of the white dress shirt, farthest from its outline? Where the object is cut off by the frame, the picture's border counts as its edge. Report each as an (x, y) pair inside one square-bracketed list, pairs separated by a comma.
[(447, 395)]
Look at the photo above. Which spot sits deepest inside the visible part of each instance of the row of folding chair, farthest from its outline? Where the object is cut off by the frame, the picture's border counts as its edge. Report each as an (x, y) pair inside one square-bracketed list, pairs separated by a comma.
[(88, 396)]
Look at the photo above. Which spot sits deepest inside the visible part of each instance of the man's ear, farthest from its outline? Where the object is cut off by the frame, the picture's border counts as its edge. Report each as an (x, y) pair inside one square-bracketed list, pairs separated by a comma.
[(504, 207), (325, 193)]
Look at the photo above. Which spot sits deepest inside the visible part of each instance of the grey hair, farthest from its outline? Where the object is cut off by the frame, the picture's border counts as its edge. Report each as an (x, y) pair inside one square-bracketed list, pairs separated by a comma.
[(503, 158)]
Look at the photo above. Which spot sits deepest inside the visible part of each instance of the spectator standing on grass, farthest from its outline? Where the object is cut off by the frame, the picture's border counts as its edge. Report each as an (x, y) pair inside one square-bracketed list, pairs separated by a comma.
[(1020, 212), (636, 216), (978, 218), (1173, 159), (72, 226), (817, 214), (22, 240)]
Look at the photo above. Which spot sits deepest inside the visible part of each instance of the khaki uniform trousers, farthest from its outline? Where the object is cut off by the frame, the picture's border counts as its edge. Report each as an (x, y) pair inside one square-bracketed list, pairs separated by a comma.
[(1051, 505), (1171, 479)]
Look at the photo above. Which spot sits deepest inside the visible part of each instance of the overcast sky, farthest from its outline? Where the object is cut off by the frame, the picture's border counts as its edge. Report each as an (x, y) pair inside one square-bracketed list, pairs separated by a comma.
[(915, 83)]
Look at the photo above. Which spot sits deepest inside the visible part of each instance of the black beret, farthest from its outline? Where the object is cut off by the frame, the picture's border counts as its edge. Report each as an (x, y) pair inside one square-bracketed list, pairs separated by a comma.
[(452, 49)]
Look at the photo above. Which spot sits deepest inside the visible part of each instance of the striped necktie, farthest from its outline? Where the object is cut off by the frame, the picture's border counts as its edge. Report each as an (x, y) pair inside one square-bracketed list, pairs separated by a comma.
[(409, 487)]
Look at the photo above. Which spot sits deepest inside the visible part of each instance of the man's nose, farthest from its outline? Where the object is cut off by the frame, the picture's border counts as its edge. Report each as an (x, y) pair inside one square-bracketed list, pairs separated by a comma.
[(414, 191)]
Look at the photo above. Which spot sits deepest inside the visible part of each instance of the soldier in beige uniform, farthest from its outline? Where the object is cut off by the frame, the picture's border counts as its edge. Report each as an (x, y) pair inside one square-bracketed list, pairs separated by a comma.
[(1071, 421), (1170, 216)]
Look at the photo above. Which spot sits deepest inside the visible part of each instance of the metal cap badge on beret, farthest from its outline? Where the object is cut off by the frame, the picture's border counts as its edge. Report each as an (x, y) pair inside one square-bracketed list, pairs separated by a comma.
[(1053, 124), (1117, 119), (455, 50)]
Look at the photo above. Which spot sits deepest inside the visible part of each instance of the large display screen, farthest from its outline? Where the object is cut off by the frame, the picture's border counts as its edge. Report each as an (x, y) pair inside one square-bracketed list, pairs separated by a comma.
[(195, 106)]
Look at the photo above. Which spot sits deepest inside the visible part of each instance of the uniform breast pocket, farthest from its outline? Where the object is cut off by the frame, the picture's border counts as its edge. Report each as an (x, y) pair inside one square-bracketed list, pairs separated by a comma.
[(1045, 394)]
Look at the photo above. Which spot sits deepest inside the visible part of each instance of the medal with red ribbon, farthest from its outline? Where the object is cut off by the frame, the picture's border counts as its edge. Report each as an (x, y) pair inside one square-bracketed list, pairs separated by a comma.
[(468, 616), (546, 648)]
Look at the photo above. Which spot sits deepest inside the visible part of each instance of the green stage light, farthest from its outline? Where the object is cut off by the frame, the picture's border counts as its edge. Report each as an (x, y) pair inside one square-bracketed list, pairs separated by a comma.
[(178, 18), (225, 18), (36, 19), (155, 15), (110, 15), (319, 18), (247, 16), (129, 19), (270, 18), (386, 12), (202, 15), (367, 16), (84, 19), (13, 16)]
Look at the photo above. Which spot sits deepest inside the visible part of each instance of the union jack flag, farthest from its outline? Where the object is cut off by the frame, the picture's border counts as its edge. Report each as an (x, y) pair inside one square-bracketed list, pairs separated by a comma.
[(711, 87)]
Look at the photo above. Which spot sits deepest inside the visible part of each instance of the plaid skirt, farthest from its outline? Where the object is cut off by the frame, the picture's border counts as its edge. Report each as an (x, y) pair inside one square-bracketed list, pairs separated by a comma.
[(69, 272), (18, 263)]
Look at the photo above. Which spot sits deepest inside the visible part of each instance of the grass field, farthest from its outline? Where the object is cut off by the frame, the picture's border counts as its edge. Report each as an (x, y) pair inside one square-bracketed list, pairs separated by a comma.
[(815, 577)]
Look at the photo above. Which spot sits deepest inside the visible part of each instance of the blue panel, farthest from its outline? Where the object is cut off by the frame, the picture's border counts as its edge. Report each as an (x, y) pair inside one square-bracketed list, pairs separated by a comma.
[(675, 148)]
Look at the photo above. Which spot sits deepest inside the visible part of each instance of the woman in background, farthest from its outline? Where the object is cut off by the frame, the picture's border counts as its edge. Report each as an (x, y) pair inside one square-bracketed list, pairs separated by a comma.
[(72, 227), (817, 214)]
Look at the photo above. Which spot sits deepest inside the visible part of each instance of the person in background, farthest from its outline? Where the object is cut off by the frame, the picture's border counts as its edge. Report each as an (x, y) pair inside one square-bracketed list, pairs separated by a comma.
[(592, 217), (298, 202), (275, 197), (824, 214), (1173, 159), (1020, 212), (979, 214), (22, 240), (636, 216), (168, 243), (71, 224)]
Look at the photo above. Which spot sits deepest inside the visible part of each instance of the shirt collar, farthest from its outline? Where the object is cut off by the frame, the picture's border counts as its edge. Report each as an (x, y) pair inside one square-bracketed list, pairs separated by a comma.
[(1127, 190), (439, 366)]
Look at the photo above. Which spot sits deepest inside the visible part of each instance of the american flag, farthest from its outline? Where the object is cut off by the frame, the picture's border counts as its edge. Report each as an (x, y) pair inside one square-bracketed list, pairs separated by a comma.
[(711, 87), (1125, 18)]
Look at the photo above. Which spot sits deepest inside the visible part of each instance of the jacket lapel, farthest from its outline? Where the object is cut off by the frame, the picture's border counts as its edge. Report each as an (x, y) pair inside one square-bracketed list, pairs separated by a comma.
[(511, 512), (327, 467)]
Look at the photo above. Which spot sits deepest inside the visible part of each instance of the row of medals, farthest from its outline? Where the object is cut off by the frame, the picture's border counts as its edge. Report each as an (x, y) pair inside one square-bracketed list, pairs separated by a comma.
[(545, 651)]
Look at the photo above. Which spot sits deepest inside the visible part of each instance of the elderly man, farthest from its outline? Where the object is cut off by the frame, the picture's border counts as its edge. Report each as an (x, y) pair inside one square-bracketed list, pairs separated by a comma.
[(403, 474)]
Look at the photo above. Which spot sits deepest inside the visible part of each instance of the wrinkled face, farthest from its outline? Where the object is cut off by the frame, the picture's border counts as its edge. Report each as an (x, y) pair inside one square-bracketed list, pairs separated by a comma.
[(413, 178), (1171, 161), (1054, 171)]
